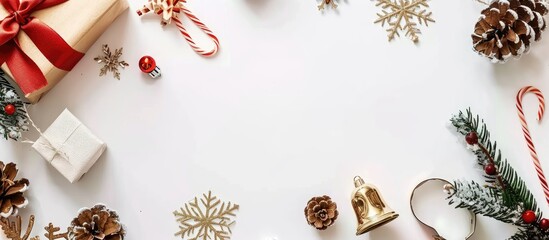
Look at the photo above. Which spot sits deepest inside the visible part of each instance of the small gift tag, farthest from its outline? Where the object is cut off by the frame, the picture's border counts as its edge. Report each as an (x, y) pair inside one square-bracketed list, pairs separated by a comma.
[(429, 204), (69, 146)]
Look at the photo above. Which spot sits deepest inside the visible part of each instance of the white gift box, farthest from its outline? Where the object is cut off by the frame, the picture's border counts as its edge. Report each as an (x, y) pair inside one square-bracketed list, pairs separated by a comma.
[(69, 146)]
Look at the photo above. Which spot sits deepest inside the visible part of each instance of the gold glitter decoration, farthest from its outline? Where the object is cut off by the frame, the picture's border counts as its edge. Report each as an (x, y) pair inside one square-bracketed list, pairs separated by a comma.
[(52, 235), (111, 61), (12, 229), (327, 2), (206, 219), (399, 14)]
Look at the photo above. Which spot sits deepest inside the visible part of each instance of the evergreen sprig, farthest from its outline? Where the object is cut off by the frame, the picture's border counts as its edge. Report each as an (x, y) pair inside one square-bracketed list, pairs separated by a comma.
[(530, 233), (11, 126), (504, 202), (4, 83), (482, 200)]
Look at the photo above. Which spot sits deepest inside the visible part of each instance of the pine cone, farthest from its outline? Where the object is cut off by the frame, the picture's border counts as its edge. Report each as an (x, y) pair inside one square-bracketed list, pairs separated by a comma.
[(97, 223), (11, 197), (508, 27), (321, 212)]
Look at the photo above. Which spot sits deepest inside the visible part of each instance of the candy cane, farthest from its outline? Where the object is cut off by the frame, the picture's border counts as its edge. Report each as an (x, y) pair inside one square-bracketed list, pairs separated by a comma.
[(203, 27), (169, 10), (528, 137)]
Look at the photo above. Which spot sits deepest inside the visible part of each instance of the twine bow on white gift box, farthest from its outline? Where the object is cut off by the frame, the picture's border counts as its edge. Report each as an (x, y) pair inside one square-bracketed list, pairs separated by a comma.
[(169, 10), (69, 146), (45, 143)]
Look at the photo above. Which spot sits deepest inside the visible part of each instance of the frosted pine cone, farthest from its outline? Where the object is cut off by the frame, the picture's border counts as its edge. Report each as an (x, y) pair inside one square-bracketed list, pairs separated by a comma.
[(97, 223), (321, 212), (11, 194), (508, 27)]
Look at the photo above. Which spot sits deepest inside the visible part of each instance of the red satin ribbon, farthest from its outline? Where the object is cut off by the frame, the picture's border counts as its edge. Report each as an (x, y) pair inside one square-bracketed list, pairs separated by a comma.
[(25, 71)]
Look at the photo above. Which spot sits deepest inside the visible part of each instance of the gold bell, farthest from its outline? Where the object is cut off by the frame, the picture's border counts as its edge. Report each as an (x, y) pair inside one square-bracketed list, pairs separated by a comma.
[(370, 208)]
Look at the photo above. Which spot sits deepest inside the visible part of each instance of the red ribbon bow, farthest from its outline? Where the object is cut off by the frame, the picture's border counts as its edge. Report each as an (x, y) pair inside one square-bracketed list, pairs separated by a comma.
[(25, 71)]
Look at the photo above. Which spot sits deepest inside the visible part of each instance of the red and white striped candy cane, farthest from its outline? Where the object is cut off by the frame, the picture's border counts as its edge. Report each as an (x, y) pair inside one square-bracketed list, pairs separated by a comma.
[(203, 27), (169, 10), (528, 137)]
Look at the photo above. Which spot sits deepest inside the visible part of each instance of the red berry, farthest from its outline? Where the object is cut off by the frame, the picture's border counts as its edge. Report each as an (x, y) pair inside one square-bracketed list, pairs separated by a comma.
[(471, 138), (490, 169), (529, 216), (544, 224), (9, 109)]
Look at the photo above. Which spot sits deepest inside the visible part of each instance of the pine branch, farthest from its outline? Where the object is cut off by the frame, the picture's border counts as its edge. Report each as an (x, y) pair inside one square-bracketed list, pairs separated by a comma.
[(515, 191), (4, 83), (483, 201), (530, 233), (504, 202), (520, 235), (11, 126)]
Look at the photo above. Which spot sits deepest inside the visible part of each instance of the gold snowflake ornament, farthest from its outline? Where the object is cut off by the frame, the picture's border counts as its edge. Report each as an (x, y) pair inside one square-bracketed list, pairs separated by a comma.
[(400, 14), (111, 61), (13, 231), (327, 2), (207, 218)]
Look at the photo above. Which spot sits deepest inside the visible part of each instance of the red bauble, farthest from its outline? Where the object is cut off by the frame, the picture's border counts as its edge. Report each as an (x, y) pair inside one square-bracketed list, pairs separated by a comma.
[(147, 64), (529, 216), (9, 109), (544, 224), (471, 138), (490, 169)]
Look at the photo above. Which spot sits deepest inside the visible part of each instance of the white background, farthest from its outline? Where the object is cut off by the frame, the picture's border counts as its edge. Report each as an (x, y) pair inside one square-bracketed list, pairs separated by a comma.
[(295, 105)]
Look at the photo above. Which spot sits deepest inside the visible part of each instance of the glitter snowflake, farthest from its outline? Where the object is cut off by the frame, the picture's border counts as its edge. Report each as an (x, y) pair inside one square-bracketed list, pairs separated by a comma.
[(325, 3), (399, 14), (111, 61), (13, 230), (206, 219)]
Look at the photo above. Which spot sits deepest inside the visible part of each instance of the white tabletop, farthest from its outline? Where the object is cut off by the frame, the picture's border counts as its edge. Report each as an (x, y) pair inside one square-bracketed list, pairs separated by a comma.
[(295, 105)]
